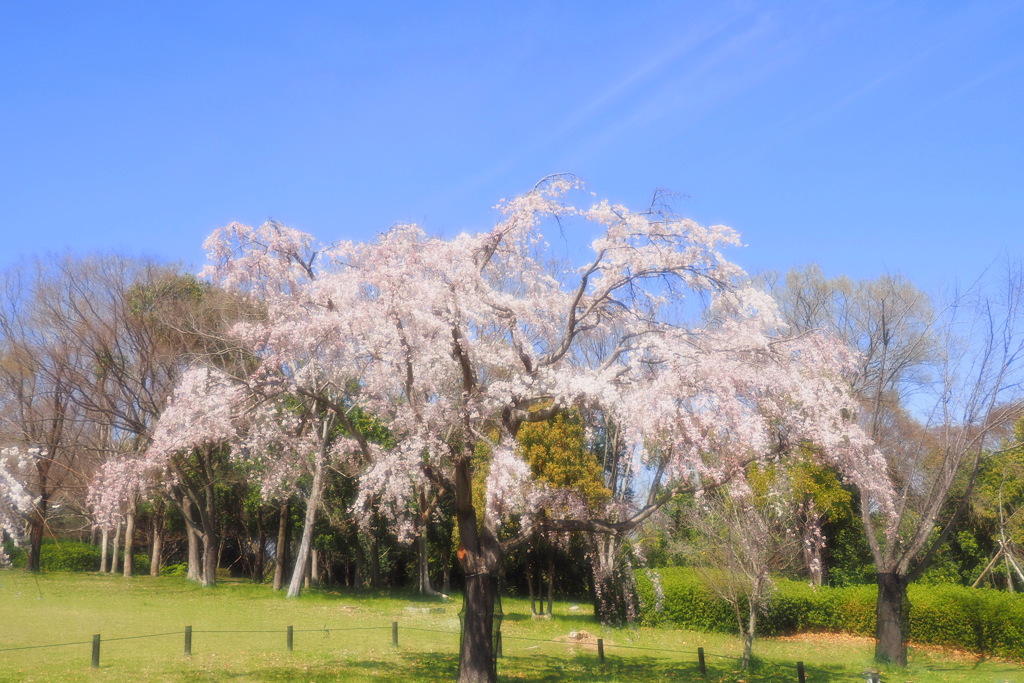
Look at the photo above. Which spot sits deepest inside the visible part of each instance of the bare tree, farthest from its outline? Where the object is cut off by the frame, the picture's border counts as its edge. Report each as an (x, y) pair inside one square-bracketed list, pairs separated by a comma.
[(934, 389)]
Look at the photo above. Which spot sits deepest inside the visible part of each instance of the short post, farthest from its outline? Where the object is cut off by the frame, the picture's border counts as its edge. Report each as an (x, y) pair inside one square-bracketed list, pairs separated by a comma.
[(188, 641), (800, 674), (394, 633), (700, 662), (497, 648), (600, 651), (291, 637), (96, 651)]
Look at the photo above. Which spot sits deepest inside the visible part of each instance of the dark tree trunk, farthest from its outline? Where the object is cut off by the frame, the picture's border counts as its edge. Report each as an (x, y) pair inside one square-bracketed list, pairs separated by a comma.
[(529, 584), (35, 539), (476, 656), (551, 579), (281, 552), (260, 556), (375, 578), (891, 643)]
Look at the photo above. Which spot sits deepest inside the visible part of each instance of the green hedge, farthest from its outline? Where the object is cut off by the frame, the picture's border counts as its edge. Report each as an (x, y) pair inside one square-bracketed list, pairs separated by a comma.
[(976, 619), (73, 556)]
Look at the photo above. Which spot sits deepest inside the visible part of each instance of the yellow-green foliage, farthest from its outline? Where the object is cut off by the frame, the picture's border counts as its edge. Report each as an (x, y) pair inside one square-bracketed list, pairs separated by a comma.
[(557, 454)]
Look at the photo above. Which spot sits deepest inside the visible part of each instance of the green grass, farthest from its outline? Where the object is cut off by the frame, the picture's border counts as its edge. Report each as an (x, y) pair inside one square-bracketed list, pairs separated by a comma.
[(347, 636)]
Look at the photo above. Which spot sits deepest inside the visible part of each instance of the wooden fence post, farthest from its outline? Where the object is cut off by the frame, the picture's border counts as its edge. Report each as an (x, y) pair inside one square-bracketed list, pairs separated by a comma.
[(394, 633), (800, 674), (700, 662), (96, 651), (600, 650), (188, 641), (291, 637)]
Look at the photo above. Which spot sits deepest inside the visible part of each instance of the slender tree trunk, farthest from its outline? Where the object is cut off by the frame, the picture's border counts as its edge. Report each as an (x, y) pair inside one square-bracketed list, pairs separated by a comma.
[(281, 551), (891, 644), (194, 557), (156, 555), (376, 581), (530, 573), (115, 550), (295, 587), (260, 554), (551, 579), (104, 549), (748, 636), (446, 576), (129, 538), (36, 525)]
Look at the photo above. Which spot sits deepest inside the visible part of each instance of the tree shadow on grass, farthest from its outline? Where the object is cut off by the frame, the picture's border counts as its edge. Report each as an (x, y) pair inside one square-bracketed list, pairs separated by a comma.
[(548, 668), (428, 666)]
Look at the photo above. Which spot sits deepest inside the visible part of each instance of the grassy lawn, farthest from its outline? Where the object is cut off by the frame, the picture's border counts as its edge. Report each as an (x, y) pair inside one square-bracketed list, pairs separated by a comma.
[(239, 634)]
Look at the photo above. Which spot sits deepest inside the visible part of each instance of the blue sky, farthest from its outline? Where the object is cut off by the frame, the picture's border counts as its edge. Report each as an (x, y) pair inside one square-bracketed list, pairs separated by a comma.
[(865, 136)]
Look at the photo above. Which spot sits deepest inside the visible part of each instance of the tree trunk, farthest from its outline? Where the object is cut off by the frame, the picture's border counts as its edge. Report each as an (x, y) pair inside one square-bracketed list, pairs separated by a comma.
[(194, 557), (891, 643), (35, 537), (375, 577), (129, 539), (281, 551), (115, 550), (551, 579), (104, 549), (295, 587), (211, 547), (530, 572), (748, 637), (614, 588), (260, 555), (476, 652), (446, 576), (156, 551)]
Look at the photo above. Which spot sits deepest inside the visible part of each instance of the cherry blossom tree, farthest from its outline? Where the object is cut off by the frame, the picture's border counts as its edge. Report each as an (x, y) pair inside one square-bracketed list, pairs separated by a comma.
[(454, 344), (15, 502)]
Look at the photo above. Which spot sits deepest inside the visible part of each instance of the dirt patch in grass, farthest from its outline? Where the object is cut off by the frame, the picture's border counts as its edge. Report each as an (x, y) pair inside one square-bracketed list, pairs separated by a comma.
[(845, 639)]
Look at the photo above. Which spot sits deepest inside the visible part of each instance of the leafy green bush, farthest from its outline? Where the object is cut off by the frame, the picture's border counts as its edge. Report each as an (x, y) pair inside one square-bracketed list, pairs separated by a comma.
[(72, 556), (976, 619), (180, 569)]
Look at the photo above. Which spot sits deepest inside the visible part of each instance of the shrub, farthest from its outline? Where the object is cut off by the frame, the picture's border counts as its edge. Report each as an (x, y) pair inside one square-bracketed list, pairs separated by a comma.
[(976, 619), (180, 569)]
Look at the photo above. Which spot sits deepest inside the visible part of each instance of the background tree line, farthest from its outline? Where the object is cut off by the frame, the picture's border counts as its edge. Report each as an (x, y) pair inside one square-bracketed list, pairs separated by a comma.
[(91, 350)]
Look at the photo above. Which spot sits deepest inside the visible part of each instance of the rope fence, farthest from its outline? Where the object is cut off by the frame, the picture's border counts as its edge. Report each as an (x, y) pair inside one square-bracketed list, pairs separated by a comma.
[(800, 670)]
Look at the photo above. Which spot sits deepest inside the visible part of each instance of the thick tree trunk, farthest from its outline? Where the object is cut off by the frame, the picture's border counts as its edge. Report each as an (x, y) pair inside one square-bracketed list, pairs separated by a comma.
[(194, 557), (891, 643), (614, 586), (129, 540), (481, 555), (211, 547), (281, 551), (476, 653), (104, 549)]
